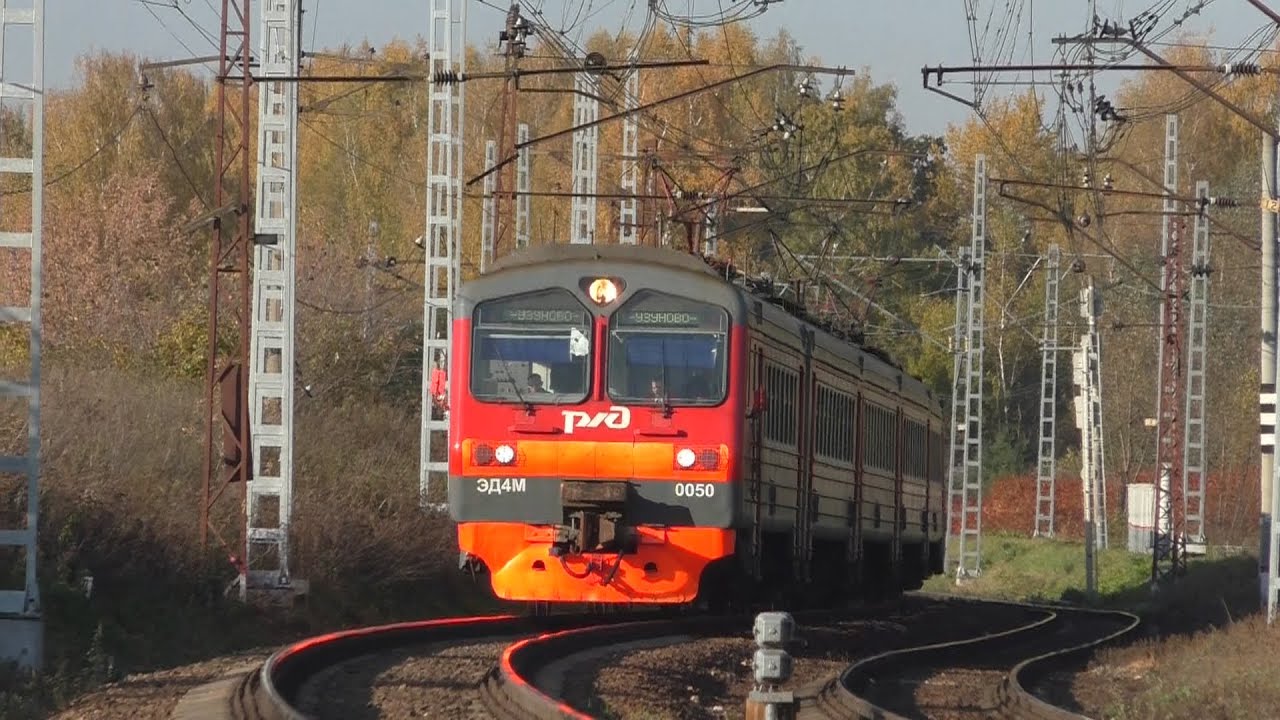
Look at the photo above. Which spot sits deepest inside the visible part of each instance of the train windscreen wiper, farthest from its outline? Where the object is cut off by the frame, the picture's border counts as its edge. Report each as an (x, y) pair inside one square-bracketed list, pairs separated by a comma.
[(506, 370)]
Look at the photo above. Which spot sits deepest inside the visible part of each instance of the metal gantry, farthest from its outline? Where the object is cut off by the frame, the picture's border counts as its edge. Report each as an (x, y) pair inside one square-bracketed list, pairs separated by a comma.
[(966, 444), (488, 207), (271, 367), (586, 145), (1193, 464), (523, 186), (1166, 558), (446, 51), (1046, 462), (628, 207), (21, 615)]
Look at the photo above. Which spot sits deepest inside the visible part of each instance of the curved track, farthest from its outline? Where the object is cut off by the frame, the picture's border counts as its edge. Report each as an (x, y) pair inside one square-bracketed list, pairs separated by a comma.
[(274, 692), (519, 666), (1018, 673)]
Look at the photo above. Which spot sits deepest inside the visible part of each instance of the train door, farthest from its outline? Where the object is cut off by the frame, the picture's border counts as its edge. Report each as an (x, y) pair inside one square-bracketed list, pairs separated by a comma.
[(899, 502), (855, 550), (754, 475), (802, 533)]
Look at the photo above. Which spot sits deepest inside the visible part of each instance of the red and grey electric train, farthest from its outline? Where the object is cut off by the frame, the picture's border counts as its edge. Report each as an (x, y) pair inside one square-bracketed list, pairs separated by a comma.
[(626, 426)]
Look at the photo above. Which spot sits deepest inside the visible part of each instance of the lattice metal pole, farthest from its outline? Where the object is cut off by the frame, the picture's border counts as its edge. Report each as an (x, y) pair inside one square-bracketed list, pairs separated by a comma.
[(586, 144), (489, 210), (1046, 462), (226, 463), (971, 517), (1100, 456), (446, 50), (523, 185), (1088, 406), (21, 615), (628, 210), (1166, 559), (959, 399), (271, 380), (1193, 465)]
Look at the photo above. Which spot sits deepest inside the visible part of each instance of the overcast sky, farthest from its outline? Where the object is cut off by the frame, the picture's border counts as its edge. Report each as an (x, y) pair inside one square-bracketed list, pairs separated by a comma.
[(892, 38)]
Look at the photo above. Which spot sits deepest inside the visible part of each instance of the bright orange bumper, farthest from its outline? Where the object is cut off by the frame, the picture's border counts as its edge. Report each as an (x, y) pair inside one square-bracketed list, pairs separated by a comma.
[(666, 568)]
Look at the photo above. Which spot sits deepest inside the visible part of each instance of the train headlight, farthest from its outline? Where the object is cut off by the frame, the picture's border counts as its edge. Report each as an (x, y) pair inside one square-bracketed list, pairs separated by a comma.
[(686, 458), (504, 454), (602, 291)]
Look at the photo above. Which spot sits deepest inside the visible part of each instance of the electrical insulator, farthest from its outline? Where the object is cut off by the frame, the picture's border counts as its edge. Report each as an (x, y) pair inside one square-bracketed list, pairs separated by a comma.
[(447, 77), (1085, 181), (837, 101), (1240, 69), (1107, 184), (1224, 202)]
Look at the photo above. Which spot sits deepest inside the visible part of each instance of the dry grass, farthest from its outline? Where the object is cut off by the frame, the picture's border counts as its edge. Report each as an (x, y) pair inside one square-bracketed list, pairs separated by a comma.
[(120, 504), (1226, 673)]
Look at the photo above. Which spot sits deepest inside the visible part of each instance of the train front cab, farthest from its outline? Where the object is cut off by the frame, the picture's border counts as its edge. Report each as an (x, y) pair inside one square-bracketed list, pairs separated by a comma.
[(606, 478)]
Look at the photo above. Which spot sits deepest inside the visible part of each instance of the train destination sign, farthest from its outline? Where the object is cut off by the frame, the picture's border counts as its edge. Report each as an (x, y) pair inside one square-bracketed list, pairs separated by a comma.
[(511, 314), (660, 318)]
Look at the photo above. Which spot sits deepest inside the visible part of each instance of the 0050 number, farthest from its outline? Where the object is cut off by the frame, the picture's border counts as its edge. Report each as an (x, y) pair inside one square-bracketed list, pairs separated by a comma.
[(695, 490)]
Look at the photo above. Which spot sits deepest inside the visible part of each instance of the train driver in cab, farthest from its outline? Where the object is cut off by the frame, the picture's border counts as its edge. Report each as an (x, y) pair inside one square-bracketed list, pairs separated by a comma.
[(535, 384)]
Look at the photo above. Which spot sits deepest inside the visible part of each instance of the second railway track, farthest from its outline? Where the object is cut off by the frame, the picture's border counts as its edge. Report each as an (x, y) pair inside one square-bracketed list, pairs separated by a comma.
[(1022, 672), (1015, 660)]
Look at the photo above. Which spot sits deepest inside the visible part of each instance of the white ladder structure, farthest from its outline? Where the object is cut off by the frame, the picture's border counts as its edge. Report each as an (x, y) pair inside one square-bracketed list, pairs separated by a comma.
[(271, 351), (523, 184), (1193, 465), (488, 206), (1046, 461), (446, 50), (586, 146), (965, 475), (21, 616), (628, 207)]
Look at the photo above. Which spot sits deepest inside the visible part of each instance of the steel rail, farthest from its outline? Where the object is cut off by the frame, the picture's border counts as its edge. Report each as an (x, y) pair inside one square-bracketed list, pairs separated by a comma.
[(847, 696), (511, 691), (271, 692), (1015, 693)]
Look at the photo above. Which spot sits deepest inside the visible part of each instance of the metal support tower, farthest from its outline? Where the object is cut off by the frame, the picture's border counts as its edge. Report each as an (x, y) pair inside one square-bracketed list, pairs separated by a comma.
[(628, 210), (711, 229), (1193, 465), (227, 374), (966, 464), (959, 396), (1046, 463), (523, 186), (1087, 363), (488, 209), (446, 51), (1166, 557), (21, 616), (272, 343), (586, 145)]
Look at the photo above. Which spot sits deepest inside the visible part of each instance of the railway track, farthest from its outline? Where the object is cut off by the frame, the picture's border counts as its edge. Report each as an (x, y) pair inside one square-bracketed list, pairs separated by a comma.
[(1023, 672), (519, 668)]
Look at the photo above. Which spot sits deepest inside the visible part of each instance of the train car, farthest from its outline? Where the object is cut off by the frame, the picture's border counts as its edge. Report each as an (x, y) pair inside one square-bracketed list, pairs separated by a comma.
[(628, 426)]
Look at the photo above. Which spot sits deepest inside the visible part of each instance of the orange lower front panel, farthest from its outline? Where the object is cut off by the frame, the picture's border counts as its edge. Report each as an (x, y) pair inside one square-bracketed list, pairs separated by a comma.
[(665, 569)]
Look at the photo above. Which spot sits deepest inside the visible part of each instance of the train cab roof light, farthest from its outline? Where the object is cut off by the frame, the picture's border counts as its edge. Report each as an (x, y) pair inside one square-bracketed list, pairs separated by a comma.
[(603, 291)]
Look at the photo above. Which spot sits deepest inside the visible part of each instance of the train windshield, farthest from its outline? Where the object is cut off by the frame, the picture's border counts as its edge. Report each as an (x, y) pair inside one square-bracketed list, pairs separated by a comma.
[(531, 348), (668, 349)]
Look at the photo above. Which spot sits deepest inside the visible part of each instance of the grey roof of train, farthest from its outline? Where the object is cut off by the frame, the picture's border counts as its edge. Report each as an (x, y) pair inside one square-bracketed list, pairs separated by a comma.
[(605, 253)]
